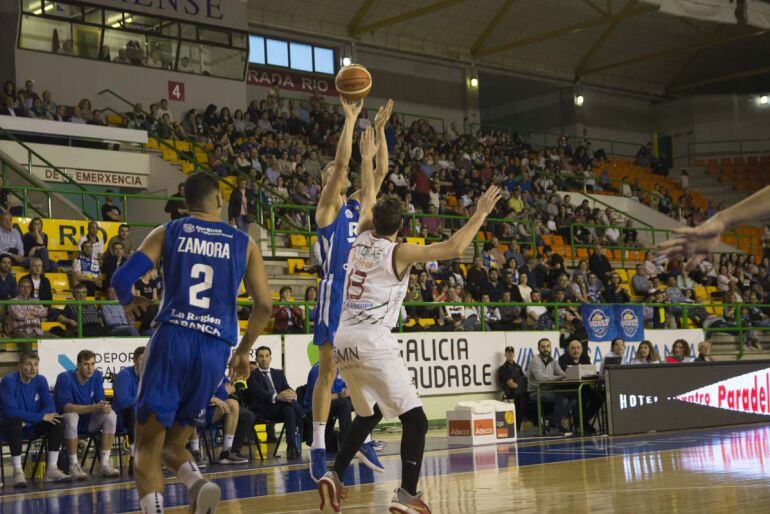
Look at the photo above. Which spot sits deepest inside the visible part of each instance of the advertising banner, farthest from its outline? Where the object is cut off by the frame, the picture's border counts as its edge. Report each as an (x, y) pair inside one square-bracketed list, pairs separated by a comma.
[(63, 235), (293, 80), (607, 322), (693, 395), (114, 354), (92, 177)]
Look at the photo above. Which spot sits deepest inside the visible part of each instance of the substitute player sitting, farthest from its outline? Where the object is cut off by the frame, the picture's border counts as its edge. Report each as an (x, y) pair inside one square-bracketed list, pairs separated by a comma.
[(367, 353), (204, 262)]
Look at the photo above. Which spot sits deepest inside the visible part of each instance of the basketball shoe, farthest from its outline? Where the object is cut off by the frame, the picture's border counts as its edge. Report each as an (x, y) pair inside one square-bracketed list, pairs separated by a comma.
[(405, 503), (332, 493)]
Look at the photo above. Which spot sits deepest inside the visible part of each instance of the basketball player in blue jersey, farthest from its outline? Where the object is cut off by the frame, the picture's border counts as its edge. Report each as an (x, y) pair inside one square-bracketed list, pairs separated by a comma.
[(204, 261), (337, 220)]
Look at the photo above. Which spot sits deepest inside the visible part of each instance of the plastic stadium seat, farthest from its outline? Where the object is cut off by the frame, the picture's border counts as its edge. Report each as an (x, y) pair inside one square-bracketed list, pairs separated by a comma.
[(623, 275), (169, 155), (416, 240), (410, 323), (48, 325), (59, 282), (58, 256), (295, 265), (297, 241), (582, 253), (701, 293), (187, 167), (152, 143), (426, 322), (182, 146)]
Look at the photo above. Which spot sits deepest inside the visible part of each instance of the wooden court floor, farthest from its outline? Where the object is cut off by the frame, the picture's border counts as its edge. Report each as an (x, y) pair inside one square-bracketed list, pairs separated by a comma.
[(725, 470)]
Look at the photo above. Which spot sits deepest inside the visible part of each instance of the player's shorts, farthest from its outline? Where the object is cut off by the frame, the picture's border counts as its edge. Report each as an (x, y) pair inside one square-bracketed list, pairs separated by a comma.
[(327, 313), (374, 372), (182, 370)]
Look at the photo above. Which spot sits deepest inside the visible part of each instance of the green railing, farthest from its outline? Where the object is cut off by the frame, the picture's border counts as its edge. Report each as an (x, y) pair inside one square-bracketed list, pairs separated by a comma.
[(705, 149), (96, 196), (740, 328)]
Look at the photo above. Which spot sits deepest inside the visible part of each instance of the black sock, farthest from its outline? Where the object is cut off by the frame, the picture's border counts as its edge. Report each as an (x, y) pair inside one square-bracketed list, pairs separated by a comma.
[(415, 426), (354, 438)]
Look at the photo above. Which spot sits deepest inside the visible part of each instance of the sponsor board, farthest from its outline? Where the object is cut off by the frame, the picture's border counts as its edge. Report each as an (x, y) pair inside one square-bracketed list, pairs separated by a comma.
[(295, 81), (114, 353), (692, 395), (63, 235)]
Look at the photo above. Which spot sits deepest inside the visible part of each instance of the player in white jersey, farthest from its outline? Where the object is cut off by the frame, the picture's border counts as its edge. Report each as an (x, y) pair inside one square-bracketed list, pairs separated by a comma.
[(367, 353)]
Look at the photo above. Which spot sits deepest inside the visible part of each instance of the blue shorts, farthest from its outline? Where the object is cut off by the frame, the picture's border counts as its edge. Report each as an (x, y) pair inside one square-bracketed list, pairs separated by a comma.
[(182, 370), (327, 314)]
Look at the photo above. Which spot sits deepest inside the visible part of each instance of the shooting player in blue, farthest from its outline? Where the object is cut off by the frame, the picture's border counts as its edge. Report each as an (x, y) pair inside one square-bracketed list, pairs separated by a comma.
[(337, 220), (204, 262)]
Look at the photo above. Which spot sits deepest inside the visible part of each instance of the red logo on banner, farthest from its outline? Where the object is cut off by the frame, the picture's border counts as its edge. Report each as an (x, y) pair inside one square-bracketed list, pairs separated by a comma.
[(176, 91), (483, 426), (459, 427)]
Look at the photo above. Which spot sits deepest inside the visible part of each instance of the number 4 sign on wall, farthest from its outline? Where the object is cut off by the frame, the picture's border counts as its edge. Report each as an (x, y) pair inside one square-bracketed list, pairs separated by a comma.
[(176, 91)]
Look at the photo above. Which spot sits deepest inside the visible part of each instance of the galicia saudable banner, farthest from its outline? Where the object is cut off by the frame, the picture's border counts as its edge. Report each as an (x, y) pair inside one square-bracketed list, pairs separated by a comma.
[(606, 322), (693, 395)]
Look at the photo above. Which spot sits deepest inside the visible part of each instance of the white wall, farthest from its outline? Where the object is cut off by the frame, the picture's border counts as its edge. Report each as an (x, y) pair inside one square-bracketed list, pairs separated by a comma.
[(85, 78)]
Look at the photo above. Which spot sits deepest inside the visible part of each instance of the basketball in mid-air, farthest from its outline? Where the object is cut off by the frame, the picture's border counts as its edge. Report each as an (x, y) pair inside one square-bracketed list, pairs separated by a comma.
[(353, 82)]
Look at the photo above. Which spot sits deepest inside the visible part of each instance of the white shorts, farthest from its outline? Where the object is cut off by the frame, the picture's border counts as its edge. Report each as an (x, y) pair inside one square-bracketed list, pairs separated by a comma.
[(374, 372)]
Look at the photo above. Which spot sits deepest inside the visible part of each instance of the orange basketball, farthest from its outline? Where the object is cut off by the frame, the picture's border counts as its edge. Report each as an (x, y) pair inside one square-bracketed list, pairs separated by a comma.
[(353, 82)]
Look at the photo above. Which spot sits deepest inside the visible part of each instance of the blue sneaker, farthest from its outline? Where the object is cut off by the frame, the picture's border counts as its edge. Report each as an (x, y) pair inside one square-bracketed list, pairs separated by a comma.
[(317, 464), (368, 457)]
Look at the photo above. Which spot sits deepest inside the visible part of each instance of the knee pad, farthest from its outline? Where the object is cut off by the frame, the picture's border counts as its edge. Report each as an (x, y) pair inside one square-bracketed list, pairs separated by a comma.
[(415, 419), (70, 422)]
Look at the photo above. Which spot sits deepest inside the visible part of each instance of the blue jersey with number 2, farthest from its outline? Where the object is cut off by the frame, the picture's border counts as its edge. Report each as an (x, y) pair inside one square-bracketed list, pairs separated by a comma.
[(203, 266)]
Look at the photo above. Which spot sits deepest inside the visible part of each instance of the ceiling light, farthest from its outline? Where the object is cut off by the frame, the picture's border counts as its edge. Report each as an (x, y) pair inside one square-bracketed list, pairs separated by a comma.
[(763, 100), (474, 82), (579, 100), (346, 61)]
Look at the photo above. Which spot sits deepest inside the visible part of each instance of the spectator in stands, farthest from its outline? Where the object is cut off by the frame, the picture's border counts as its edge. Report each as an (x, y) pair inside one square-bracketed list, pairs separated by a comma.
[(9, 108), (60, 114), (10, 240), (92, 320), (600, 264), (615, 293), (35, 243), (476, 278), (270, 398), (110, 211), (513, 382), (41, 286), (113, 259), (543, 369), (147, 286), (238, 206), (27, 319), (680, 352), (48, 104), (79, 398), (704, 352), (535, 312), (646, 354), (289, 319), (311, 295), (38, 111), (176, 206), (123, 237), (116, 322), (86, 269), (8, 287), (341, 408), (641, 283), (29, 412), (163, 109), (9, 90), (94, 237), (126, 387)]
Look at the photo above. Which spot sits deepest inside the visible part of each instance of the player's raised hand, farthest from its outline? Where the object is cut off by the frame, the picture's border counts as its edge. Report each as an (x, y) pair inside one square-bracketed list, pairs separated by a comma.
[(488, 200), (137, 307), (367, 145), (383, 115), (352, 108), (239, 364), (695, 243)]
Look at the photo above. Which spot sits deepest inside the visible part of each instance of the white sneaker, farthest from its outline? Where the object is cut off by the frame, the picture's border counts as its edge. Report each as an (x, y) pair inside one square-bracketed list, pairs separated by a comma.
[(19, 480), (55, 475), (77, 473), (108, 471)]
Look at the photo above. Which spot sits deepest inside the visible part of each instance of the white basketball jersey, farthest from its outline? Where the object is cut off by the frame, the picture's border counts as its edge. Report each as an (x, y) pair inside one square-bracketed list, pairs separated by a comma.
[(373, 293)]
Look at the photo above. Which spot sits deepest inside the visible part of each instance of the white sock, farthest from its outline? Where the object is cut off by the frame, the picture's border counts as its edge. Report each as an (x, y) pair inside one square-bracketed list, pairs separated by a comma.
[(319, 435), (73, 458), (152, 504), (368, 439), (189, 473), (53, 459), (16, 460), (195, 445), (228, 442), (104, 457), (131, 449)]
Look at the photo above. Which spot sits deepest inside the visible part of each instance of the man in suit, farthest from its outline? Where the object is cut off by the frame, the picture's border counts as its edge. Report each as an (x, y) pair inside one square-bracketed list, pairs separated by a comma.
[(271, 398)]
